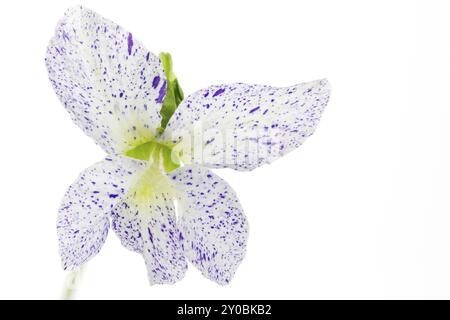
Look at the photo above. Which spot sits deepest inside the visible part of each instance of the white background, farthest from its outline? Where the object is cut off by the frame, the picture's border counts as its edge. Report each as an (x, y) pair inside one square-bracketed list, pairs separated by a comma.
[(361, 210)]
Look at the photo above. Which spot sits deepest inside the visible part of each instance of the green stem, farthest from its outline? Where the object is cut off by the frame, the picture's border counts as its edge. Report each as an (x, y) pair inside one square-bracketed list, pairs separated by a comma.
[(72, 281)]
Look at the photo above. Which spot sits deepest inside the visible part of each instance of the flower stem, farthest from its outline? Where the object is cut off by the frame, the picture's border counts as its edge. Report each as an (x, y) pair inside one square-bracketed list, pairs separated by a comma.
[(72, 281)]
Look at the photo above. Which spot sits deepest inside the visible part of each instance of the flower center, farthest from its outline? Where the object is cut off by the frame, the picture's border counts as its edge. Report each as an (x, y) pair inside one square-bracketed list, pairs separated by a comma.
[(152, 187)]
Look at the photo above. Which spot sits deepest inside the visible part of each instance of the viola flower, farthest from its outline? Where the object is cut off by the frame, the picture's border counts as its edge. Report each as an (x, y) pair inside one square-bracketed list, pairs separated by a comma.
[(129, 101)]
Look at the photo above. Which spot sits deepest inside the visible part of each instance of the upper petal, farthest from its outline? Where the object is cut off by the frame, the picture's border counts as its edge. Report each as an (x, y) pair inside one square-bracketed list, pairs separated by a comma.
[(82, 222), (212, 222), (108, 82), (243, 126)]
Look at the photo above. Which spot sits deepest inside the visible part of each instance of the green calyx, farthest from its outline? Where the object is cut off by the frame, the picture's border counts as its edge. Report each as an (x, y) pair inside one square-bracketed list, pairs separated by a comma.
[(156, 152), (174, 94)]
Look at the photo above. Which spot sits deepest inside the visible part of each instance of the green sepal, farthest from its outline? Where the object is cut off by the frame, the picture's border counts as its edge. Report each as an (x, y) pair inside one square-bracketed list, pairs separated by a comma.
[(142, 151), (168, 163), (153, 150), (174, 93), (157, 153)]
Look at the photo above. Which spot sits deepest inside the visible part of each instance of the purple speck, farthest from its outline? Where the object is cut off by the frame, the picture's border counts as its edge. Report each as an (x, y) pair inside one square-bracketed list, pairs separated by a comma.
[(66, 36), (162, 93), (112, 196), (265, 111), (148, 56), (130, 43), (254, 109), (206, 94), (150, 235), (220, 91), (155, 82)]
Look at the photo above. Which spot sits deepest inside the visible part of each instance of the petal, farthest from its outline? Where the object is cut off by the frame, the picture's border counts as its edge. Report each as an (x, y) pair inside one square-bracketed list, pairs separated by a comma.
[(82, 222), (212, 223), (243, 126), (147, 224), (108, 82)]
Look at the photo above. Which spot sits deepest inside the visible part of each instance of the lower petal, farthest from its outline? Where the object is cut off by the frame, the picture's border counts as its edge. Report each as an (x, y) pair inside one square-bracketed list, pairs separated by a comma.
[(83, 223), (147, 224), (212, 222)]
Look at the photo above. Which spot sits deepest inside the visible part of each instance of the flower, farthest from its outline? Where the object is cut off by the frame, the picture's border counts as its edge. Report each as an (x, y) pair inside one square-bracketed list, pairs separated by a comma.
[(160, 147)]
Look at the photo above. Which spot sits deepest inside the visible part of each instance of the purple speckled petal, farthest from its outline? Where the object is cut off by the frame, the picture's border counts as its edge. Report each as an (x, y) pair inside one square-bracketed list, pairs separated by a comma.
[(82, 222), (149, 228), (213, 226), (245, 126), (104, 77)]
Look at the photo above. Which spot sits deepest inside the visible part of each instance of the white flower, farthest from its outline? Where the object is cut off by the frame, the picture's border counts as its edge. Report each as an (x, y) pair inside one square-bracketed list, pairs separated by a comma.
[(114, 90)]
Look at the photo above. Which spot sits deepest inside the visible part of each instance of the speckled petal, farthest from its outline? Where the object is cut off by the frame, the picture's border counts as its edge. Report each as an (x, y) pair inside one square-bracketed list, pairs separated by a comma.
[(213, 226), (109, 83), (149, 227), (83, 222), (244, 126)]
